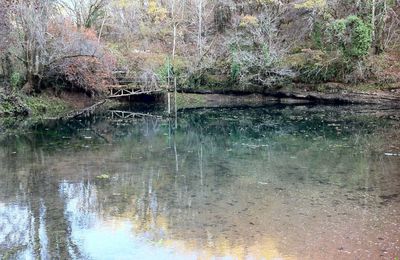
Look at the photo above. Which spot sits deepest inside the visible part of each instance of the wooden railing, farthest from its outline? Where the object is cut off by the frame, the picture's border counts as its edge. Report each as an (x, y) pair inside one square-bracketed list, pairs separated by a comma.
[(125, 92)]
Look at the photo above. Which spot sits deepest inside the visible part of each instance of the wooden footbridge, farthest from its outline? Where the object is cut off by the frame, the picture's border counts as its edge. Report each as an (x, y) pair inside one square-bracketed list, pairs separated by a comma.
[(126, 91), (127, 87)]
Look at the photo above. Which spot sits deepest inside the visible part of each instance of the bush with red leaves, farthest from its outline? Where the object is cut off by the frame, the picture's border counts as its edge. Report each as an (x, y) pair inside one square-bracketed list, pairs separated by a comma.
[(87, 74), (82, 64)]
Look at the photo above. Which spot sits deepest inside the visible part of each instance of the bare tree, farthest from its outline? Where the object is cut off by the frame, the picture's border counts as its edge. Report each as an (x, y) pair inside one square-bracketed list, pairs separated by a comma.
[(31, 20), (85, 12), (258, 45), (5, 30), (45, 41)]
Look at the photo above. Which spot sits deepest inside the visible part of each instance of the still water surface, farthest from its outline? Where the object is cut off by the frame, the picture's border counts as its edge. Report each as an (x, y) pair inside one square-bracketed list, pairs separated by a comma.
[(289, 182)]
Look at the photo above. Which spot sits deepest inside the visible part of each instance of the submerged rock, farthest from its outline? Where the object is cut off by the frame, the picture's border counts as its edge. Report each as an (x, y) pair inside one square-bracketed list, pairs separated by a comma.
[(103, 177)]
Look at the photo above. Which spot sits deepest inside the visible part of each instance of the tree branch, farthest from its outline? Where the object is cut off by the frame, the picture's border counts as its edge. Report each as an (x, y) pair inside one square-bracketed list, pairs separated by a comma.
[(69, 57)]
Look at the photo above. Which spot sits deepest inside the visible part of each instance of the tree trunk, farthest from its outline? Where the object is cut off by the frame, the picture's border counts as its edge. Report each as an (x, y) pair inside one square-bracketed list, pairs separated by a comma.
[(6, 66), (174, 43), (378, 25), (200, 25), (32, 81)]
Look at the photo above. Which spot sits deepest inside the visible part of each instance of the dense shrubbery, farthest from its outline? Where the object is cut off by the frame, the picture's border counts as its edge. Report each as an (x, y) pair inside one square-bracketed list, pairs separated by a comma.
[(87, 74), (344, 43), (352, 36)]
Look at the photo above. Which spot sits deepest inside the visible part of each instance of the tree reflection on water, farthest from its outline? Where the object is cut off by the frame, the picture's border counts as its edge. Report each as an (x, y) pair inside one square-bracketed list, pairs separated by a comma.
[(291, 182)]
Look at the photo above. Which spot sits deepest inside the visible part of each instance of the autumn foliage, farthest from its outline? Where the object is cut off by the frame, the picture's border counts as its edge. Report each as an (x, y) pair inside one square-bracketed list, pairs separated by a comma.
[(88, 67), (52, 50), (88, 74)]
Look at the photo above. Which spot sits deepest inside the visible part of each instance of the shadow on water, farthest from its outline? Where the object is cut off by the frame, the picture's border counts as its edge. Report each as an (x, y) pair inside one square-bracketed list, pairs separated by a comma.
[(294, 182)]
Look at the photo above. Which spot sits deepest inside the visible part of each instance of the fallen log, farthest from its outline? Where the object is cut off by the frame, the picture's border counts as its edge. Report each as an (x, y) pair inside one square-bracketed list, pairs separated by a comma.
[(83, 112)]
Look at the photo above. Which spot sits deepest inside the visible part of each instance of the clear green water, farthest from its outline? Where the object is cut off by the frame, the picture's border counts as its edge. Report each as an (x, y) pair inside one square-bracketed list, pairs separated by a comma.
[(289, 182)]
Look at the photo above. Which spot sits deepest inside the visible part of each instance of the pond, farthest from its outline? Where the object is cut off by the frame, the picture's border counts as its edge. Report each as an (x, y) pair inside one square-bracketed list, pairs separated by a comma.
[(273, 182)]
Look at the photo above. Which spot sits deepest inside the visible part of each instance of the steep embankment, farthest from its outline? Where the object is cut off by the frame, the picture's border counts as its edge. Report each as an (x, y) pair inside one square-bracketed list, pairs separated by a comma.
[(46, 105), (378, 83), (340, 94)]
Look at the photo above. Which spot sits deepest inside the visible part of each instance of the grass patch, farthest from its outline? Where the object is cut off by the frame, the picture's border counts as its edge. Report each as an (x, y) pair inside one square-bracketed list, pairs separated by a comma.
[(46, 106), (370, 87), (184, 100)]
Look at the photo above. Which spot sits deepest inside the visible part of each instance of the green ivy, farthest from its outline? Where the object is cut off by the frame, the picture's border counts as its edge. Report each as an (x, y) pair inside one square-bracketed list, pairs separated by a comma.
[(317, 35), (360, 37), (266, 54), (352, 35), (235, 66), (15, 80), (165, 70)]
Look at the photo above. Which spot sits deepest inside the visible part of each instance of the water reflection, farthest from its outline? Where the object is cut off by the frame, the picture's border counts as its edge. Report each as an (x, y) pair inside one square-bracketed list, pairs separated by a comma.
[(261, 183)]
